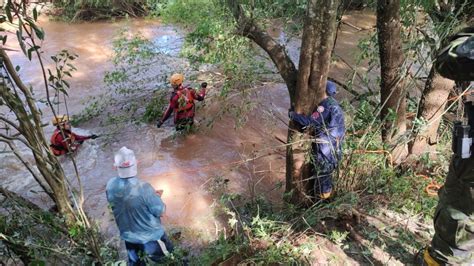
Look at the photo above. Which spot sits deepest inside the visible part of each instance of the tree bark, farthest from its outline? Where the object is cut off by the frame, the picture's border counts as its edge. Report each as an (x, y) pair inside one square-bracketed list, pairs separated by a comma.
[(432, 104), (392, 91), (315, 56), (306, 86)]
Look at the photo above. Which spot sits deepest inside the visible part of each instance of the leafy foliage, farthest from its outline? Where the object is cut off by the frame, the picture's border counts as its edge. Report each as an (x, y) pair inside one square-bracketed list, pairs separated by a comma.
[(32, 233), (104, 9)]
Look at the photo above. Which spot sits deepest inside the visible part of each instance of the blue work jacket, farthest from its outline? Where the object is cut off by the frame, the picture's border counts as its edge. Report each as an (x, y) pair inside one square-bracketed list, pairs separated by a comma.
[(137, 209), (327, 123)]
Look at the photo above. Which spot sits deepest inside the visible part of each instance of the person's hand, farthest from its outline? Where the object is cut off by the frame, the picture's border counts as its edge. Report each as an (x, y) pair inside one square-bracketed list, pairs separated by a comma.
[(291, 114), (159, 192), (93, 136), (159, 124), (204, 85)]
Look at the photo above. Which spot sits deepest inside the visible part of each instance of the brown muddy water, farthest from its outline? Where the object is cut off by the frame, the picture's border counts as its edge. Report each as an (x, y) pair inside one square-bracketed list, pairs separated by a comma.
[(185, 167)]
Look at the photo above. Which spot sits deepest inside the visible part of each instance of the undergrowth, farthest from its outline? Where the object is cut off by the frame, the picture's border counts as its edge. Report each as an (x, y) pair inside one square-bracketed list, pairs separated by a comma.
[(36, 236)]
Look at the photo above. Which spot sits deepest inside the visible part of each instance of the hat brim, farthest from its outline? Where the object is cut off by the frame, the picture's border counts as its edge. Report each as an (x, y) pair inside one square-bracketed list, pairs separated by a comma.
[(127, 172)]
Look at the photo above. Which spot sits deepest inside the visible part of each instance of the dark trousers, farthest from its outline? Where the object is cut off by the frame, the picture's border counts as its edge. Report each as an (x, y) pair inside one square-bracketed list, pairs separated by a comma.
[(322, 183), (151, 250), (453, 241)]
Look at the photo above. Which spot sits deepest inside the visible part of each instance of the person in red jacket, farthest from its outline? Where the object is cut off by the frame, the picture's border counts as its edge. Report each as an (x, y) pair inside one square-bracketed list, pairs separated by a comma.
[(71, 142), (182, 103)]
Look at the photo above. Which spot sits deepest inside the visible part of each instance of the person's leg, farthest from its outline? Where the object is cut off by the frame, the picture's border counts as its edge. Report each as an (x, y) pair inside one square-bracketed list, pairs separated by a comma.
[(156, 251), (453, 242), (133, 251), (323, 170), (323, 185), (167, 242)]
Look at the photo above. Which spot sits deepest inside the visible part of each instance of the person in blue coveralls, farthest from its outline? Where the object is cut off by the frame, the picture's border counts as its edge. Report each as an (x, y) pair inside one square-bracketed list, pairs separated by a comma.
[(327, 125)]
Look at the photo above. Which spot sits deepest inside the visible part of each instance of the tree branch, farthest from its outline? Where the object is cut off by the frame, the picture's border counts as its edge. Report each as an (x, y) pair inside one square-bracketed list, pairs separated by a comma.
[(248, 28), (19, 83), (10, 123), (29, 167)]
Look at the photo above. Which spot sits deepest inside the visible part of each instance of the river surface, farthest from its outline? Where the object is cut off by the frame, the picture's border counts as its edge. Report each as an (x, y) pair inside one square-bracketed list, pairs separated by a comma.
[(187, 167)]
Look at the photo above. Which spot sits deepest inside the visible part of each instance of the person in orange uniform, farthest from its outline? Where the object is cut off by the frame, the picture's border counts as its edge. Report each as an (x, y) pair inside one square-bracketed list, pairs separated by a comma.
[(182, 103), (71, 142)]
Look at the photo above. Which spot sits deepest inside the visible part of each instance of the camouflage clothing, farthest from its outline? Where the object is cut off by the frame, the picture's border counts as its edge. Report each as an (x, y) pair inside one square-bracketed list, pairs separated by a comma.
[(456, 60), (327, 122), (453, 242)]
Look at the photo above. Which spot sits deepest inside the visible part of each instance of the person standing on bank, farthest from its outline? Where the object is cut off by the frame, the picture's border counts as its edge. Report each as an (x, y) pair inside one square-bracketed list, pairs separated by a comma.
[(182, 103), (327, 123), (453, 240), (137, 209)]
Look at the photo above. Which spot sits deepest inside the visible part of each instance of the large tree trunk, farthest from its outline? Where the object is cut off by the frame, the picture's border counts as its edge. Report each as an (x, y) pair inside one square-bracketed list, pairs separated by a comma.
[(305, 86), (31, 135), (316, 48), (432, 104), (392, 91)]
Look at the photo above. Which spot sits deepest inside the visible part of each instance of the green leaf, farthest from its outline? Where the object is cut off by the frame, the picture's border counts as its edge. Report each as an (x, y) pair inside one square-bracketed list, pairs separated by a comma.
[(4, 39), (17, 68), (71, 66), (31, 50), (63, 91), (66, 84), (9, 12), (35, 14), (21, 42), (38, 31)]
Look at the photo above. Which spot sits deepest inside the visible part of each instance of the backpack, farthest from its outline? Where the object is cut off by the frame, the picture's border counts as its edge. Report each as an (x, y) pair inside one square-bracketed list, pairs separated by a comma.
[(185, 100)]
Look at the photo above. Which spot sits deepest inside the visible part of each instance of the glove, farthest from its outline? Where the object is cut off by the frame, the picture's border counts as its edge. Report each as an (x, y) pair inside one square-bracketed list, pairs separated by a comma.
[(159, 124), (204, 85), (291, 114), (93, 136)]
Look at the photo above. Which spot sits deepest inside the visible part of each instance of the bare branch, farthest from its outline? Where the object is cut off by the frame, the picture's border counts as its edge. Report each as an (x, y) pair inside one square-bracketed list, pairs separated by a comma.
[(248, 28), (19, 83), (10, 123), (28, 166)]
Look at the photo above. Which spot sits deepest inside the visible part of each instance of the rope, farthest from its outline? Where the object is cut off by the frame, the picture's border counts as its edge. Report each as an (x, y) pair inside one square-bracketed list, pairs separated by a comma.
[(433, 187)]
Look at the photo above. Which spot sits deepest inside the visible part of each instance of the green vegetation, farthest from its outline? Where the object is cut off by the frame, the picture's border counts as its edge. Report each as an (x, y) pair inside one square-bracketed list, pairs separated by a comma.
[(104, 9), (39, 237), (133, 59)]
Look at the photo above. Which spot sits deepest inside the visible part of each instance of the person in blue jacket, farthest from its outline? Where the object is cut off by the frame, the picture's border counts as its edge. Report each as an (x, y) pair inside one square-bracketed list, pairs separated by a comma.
[(137, 209), (327, 125)]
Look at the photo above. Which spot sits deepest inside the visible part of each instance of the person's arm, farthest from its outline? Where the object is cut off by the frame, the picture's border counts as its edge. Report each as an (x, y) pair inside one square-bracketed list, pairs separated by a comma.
[(202, 93), (301, 119), (82, 138), (153, 200), (316, 119), (171, 106)]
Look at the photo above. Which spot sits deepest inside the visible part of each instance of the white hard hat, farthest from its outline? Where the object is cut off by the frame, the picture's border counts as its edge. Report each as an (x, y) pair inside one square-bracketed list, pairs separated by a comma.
[(125, 162)]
